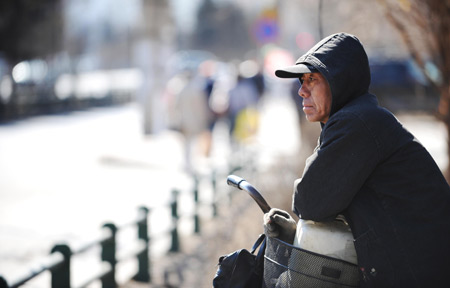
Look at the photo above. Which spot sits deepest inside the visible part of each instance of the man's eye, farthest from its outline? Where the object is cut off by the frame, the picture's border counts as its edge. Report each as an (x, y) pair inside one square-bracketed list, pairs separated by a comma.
[(311, 79)]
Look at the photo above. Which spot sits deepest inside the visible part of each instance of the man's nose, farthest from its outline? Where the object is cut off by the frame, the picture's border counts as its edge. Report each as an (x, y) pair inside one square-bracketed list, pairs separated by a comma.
[(303, 91)]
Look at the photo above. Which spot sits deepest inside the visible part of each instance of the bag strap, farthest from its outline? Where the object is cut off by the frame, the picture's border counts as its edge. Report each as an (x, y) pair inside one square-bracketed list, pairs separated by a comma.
[(258, 242), (262, 250)]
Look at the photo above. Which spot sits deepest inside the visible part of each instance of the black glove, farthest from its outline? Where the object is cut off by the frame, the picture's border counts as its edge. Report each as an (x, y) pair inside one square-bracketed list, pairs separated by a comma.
[(279, 224)]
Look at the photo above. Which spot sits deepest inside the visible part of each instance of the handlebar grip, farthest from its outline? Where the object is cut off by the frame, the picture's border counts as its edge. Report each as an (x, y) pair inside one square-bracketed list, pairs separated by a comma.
[(241, 184), (234, 181)]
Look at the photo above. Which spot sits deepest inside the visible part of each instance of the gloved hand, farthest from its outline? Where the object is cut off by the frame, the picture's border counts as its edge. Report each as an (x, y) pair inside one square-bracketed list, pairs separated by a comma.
[(279, 224)]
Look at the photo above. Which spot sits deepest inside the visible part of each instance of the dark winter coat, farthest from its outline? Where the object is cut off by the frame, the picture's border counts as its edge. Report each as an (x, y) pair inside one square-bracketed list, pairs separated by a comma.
[(371, 169)]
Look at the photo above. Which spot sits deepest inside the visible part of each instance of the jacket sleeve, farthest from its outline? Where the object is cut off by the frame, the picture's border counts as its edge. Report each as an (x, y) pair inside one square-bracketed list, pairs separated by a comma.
[(347, 155)]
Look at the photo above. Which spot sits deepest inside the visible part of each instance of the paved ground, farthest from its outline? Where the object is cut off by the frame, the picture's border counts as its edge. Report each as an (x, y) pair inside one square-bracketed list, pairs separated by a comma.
[(239, 224), (63, 176)]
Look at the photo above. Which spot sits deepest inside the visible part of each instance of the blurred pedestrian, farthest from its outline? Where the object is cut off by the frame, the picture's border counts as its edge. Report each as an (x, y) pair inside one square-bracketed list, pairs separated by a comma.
[(242, 109), (193, 114), (252, 70), (208, 70), (370, 169)]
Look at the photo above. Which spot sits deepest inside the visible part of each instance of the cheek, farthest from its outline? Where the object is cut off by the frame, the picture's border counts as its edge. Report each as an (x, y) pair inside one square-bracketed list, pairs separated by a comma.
[(328, 105), (329, 101), (326, 100)]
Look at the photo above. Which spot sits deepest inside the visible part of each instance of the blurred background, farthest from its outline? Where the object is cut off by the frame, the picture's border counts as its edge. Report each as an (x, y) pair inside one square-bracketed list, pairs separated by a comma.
[(108, 105)]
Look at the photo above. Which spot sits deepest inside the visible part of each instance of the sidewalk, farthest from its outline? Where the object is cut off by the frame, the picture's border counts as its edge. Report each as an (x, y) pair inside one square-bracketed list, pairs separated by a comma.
[(239, 224), (100, 163)]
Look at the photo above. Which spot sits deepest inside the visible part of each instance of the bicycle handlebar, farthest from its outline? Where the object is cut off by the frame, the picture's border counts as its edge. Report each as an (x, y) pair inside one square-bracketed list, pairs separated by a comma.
[(242, 184)]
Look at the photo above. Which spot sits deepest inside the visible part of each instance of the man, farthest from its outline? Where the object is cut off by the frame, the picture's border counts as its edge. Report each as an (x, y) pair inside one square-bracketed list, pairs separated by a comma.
[(370, 169)]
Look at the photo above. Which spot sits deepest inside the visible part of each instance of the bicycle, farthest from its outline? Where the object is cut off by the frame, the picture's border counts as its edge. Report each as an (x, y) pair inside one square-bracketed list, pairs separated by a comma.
[(287, 266)]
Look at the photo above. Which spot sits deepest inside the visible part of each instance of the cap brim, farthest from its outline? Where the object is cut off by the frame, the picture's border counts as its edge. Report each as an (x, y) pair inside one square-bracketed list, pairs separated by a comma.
[(295, 71)]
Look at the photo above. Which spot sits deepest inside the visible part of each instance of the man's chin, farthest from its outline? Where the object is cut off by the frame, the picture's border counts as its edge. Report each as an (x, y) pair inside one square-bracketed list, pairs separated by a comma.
[(311, 119)]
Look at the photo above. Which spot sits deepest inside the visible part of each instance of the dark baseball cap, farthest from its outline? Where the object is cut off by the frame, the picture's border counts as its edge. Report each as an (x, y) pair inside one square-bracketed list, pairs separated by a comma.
[(295, 71)]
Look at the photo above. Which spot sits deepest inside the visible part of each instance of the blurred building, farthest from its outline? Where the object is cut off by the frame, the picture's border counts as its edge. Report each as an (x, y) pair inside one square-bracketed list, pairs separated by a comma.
[(63, 54), (62, 48)]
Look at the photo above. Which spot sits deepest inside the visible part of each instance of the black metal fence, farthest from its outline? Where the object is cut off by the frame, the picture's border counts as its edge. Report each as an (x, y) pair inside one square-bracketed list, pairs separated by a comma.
[(59, 261), (61, 256)]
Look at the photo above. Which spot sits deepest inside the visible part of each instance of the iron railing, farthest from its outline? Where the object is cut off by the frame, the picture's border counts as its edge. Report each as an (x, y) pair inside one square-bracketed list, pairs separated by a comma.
[(58, 263)]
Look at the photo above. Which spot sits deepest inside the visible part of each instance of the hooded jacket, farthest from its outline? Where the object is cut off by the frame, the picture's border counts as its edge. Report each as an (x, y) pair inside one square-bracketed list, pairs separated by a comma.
[(369, 168)]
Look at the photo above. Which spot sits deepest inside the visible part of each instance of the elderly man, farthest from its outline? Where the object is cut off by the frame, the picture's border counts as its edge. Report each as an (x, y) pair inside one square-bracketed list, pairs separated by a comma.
[(370, 169)]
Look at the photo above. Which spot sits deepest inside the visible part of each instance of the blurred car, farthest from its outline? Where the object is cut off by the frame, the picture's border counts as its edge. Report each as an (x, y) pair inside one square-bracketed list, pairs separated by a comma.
[(6, 85), (400, 85)]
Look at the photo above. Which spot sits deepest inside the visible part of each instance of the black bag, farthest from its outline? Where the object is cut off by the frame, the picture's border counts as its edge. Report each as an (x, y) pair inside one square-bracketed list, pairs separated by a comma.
[(242, 269)]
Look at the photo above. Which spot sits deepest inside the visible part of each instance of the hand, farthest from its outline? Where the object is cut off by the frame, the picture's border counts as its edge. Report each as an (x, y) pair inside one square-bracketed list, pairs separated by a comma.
[(279, 224)]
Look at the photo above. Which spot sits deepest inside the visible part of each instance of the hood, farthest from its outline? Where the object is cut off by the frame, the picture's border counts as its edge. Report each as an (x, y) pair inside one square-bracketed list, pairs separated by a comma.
[(342, 61)]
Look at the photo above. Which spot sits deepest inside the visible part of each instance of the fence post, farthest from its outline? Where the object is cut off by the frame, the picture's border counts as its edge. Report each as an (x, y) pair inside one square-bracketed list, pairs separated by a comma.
[(214, 191), (143, 274), (109, 255), (61, 274), (196, 200), (3, 283), (175, 247)]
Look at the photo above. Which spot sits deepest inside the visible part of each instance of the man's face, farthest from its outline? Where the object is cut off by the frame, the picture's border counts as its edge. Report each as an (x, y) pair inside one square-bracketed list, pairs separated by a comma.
[(316, 95)]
